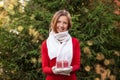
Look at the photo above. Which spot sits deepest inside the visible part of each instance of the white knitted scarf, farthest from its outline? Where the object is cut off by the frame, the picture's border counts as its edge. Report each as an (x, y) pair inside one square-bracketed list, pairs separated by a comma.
[(60, 46)]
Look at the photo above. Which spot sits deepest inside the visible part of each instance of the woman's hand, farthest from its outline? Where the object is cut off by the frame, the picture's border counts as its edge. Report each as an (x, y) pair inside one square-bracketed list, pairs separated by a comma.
[(62, 71)]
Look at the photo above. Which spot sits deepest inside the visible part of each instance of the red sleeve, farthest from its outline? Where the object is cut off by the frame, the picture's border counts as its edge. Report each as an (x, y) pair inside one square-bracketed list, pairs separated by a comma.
[(76, 55), (45, 59)]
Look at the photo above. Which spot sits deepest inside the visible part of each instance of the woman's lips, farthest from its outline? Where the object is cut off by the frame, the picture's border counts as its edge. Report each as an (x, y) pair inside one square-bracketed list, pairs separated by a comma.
[(61, 29)]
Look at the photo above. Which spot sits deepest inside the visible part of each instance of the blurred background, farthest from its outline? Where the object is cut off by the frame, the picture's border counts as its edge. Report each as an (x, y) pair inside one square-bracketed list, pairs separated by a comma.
[(24, 24)]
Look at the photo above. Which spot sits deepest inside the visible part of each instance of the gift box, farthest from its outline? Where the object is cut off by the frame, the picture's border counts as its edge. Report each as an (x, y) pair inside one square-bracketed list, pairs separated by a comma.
[(62, 64), (59, 64), (65, 64)]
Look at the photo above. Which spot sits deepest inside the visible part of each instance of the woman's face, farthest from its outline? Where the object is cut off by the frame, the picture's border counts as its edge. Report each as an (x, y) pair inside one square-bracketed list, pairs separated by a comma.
[(62, 24)]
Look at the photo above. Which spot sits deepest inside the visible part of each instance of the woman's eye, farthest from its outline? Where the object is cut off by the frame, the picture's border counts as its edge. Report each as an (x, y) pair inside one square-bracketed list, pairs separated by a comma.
[(65, 23), (58, 21)]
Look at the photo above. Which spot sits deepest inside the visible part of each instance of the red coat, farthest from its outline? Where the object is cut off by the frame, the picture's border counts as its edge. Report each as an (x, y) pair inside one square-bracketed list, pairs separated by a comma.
[(47, 64)]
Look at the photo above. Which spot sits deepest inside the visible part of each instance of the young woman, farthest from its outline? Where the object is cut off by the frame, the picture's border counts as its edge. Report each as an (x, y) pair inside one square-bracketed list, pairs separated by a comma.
[(60, 52)]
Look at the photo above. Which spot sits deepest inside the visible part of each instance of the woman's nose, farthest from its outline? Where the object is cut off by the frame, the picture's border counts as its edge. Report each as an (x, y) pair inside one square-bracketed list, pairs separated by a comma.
[(61, 24)]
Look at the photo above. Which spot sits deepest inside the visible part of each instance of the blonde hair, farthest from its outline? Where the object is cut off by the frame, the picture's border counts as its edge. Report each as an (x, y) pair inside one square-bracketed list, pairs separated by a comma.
[(56, 17)]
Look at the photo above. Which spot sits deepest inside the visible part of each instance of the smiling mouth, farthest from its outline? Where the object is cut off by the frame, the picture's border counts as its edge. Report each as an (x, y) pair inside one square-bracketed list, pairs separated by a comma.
[(61, 29)]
